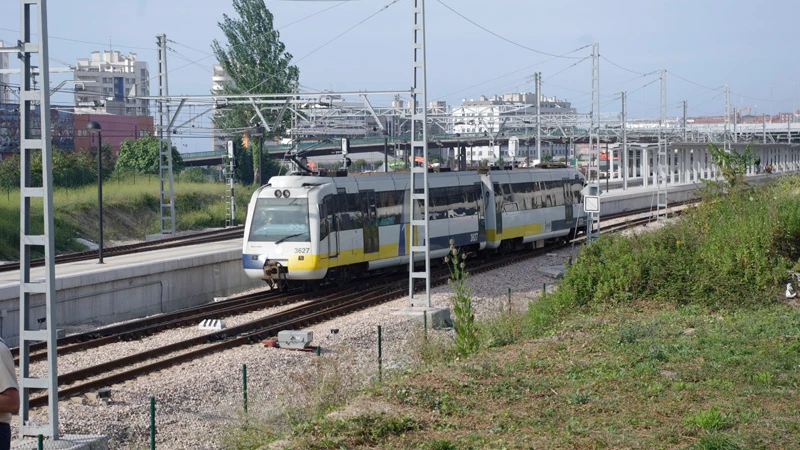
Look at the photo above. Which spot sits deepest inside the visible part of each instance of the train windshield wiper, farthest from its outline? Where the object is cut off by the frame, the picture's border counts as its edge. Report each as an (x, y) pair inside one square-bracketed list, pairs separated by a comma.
[(290, 236)]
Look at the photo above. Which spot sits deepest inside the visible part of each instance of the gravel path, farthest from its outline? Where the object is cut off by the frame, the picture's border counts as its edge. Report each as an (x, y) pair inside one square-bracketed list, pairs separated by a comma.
[(196, 401)]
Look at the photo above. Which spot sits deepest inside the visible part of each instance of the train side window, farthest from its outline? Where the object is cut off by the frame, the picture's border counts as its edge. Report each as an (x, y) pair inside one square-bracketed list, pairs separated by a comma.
[(323, 219), (545, 186), (558, 192), (536, 195), (390, 206), (498, 198), (576, 192), (567, 192), (354, 208)]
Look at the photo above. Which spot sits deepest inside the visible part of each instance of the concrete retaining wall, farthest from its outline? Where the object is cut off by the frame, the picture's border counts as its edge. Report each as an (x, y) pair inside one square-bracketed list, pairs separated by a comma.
[(110, 295)]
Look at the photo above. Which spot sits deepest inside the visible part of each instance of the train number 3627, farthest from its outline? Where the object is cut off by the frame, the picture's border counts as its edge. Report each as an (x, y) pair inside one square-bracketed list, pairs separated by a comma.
[(302, 250)]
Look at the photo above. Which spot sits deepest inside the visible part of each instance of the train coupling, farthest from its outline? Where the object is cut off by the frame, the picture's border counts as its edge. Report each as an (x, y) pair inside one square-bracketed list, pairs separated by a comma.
[(273, 270)]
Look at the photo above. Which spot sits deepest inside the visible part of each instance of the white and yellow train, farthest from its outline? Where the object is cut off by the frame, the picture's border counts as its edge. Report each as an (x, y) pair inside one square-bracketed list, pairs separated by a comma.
[(304, 230)]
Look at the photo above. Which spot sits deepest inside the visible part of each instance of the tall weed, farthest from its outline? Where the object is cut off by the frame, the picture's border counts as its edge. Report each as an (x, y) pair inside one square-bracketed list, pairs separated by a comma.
[(464, 320)]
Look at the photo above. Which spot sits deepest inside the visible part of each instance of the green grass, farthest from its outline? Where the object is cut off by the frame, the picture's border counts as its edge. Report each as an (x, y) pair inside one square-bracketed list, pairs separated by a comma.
[(130, 210)]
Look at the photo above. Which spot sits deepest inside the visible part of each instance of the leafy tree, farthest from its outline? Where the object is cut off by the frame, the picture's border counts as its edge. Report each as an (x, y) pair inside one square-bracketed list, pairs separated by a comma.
[(257, 62), (359, 165), (732, 165), (142, 155), (377, 164), (547, 157), (193, 175), (9, 172), (70, 168), (243, 163)]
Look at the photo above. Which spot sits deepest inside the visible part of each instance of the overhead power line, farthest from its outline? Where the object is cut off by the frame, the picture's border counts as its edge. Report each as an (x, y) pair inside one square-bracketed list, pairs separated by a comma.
[(345, 32), (625, 69), (86, 42), (502, 37), (311, 15)]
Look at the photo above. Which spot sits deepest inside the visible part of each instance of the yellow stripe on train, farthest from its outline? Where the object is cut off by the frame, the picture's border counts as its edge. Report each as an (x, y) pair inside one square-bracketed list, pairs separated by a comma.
[(514, 232), (345, 258)]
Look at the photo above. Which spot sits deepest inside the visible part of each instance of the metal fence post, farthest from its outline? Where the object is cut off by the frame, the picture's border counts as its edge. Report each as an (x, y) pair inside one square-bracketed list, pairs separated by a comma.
[(244, 386), (152, 423), (380, 355), (425, 323)]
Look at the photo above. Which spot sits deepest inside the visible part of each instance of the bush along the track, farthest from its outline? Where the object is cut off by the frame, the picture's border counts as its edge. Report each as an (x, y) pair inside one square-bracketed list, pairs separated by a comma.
[(466, 339), (729, 251)]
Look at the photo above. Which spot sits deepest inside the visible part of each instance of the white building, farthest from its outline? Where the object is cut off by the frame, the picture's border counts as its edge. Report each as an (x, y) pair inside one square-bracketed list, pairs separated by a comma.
[(5, 89), (488, 114), (107, 81)]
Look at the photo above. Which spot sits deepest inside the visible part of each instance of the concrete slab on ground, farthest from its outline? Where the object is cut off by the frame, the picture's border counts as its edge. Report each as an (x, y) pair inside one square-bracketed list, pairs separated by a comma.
[(66, 442), (556, 271), (437, 317)]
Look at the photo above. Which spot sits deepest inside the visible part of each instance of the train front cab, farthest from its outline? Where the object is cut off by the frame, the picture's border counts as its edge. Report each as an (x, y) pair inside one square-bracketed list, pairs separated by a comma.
[(281, 239)]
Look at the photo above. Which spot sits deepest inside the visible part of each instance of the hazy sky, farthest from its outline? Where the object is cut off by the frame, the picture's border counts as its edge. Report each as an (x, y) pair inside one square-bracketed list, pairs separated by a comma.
[(747, 44)]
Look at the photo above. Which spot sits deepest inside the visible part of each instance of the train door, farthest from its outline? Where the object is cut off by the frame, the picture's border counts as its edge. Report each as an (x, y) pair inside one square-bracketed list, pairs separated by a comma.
[(369, 211), (481, 213), (329, 205), (498, 208), (567, 195)]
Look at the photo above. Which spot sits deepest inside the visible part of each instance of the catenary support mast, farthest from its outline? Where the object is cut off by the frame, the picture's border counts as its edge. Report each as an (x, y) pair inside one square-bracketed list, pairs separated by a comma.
[(167, 192), (419, 244), (36, 139)]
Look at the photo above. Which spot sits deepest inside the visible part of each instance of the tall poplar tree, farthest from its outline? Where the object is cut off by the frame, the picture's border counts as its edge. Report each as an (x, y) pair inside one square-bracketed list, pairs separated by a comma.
[(257, 62)]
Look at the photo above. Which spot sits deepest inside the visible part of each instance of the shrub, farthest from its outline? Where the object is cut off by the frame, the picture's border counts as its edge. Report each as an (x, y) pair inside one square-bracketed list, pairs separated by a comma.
[(727, 251), (464, 320)]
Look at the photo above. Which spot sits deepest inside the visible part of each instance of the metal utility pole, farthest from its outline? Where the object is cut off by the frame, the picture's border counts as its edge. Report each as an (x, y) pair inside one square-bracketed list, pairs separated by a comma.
[(684, 121), (764, 127), (539, 116), (36, 139), (661, 183), (418, 189), (726, 142), (228, 170), (624, 142), (593, 172), (735, 135), (167, 192)]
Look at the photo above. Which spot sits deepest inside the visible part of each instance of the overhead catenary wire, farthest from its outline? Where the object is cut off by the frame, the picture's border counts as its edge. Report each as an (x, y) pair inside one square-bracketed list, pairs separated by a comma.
[(502, 37), (384, 8), (85, 42), (311, 15), (511, 73)]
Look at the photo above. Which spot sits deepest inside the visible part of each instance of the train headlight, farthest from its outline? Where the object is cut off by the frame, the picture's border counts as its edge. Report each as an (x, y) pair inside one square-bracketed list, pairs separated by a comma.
[(278, 193), (286, 193)]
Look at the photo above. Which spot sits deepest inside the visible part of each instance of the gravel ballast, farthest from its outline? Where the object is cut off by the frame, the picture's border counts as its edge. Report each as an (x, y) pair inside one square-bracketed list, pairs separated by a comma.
[(197, 401)]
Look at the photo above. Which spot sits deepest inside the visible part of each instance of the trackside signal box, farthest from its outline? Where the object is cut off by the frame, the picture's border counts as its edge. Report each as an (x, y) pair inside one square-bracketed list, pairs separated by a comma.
[(591, 198)]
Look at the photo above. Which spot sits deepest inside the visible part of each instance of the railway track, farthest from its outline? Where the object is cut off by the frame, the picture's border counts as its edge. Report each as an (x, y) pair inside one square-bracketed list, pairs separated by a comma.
[(314, 311), (329, 304)]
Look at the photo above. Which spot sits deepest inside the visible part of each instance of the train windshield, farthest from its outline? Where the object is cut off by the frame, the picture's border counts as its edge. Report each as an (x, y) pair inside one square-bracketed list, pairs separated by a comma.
[(280, 220)]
